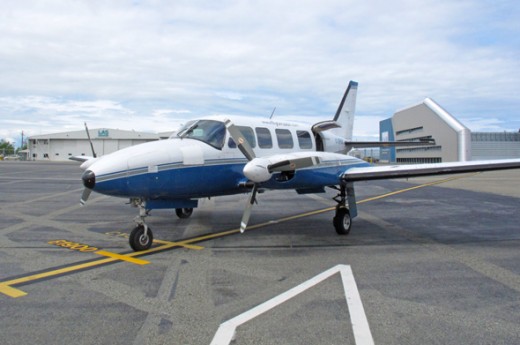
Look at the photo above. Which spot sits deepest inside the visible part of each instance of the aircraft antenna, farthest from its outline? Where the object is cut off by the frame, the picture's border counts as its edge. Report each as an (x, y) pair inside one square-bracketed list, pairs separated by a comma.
[(270, 117), (90, 141)]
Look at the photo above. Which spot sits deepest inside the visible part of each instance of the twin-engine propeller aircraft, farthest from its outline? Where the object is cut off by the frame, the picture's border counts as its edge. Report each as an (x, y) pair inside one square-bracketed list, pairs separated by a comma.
[(224, 155)]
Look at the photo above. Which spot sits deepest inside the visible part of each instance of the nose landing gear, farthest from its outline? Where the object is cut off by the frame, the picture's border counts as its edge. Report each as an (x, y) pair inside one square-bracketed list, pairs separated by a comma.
[(141, 237)]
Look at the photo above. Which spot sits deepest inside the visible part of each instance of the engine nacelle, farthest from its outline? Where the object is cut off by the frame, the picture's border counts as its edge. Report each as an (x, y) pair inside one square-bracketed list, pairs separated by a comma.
[(257, 170)]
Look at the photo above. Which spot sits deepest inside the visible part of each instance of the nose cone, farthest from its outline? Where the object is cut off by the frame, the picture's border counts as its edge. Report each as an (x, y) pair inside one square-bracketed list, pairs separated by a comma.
[(89, 179), (257, 170)]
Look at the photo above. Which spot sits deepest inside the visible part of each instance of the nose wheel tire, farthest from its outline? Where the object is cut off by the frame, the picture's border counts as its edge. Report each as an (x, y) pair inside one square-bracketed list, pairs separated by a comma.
[(342, 221), (183, 212), (140, 241)]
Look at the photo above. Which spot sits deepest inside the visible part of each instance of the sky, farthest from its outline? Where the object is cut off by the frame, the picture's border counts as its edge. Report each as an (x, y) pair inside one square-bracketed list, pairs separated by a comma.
[(150, 65)]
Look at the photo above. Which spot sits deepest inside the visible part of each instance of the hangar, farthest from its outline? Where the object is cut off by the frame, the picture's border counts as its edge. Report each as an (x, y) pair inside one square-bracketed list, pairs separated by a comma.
[(61, 146), (453, 140)]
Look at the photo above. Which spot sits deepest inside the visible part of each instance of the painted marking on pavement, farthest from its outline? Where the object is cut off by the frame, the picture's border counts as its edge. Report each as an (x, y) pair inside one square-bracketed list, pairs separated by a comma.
[(180, 244), (358, 319), (6, 287), (11, 291), (123, 257)]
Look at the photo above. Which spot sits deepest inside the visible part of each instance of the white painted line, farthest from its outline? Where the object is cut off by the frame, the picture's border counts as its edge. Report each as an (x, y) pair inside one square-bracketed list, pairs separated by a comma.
[(360, 327), (361, 330)]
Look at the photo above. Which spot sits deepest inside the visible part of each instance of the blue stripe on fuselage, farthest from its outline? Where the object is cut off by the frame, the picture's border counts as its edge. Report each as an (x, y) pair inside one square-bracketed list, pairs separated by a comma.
[(178, 182)]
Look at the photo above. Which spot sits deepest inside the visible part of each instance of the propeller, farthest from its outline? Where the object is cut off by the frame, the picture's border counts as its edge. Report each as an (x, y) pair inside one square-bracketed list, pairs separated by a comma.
[(88, 177), (248, 152), (84, 196), (293, 164), (240, 140), (89, 181), (259, 170), (249, 207)]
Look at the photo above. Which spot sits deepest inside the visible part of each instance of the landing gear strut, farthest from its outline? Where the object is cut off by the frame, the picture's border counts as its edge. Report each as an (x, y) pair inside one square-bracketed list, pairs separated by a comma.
[(346, 208), (141, 237)]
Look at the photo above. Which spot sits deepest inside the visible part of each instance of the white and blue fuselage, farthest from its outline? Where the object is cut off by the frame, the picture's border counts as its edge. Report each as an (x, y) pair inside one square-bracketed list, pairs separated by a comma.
[(201, 160)]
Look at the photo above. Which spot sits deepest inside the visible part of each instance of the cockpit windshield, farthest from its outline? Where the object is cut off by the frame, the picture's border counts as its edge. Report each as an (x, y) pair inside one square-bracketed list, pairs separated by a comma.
[(208, 131)]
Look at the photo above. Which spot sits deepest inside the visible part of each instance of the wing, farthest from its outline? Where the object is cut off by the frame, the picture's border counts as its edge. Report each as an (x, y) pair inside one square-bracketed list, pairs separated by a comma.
[(415, 170)]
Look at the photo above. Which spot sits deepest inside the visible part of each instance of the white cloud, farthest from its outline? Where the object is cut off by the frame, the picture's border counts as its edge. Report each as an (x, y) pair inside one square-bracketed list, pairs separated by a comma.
[(128, 63)]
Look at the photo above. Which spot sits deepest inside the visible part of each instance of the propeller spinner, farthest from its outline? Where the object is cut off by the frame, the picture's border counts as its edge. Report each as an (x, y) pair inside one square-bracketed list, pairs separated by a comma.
[(89, 181)]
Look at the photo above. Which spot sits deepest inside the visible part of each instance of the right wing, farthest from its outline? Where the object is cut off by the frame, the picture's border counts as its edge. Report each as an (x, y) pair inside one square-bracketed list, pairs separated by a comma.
[(415, 170)]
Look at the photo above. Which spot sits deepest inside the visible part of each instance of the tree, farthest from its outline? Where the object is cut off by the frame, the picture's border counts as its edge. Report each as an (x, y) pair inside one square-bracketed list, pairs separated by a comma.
[(6, 148)]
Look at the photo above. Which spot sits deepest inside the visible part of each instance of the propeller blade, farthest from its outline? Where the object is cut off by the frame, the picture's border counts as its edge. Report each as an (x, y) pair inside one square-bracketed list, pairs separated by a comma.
[(240, 140), (90, 141), (294, 164), (84, 196), (247, 211)]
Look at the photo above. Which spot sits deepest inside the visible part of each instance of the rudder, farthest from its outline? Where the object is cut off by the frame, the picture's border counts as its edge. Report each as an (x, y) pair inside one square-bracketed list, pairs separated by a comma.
[(345, 113)]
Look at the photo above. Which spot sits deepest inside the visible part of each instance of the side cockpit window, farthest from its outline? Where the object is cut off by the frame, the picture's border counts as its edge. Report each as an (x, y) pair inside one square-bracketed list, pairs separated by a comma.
[(208, 131)]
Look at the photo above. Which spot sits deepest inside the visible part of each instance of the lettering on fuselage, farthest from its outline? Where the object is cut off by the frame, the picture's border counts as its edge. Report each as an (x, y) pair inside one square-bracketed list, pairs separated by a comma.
[(280, 124)]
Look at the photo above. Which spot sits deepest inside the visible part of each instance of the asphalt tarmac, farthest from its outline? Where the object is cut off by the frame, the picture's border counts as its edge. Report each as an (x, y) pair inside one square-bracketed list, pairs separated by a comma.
[(438, 262)]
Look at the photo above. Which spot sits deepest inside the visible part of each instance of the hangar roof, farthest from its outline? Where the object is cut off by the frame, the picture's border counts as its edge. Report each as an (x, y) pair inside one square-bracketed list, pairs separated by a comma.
[(449, 119), (99, 133)]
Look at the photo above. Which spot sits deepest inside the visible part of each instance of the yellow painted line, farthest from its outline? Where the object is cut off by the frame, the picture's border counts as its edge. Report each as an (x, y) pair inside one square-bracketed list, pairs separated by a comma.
[(7, 289), (11, 291), (6, 286), (123, 257), (180, 244)]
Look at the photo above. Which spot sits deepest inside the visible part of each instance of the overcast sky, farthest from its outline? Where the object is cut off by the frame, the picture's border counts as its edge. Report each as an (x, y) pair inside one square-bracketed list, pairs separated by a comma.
[(148, 65)]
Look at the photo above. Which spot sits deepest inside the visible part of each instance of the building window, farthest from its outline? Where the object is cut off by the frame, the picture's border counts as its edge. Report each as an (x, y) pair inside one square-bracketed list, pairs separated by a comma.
[(420, 149), (419, 160), (285, 139), (409, 130)]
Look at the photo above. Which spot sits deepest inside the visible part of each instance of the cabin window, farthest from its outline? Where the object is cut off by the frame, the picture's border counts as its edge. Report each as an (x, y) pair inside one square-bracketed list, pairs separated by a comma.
[(304, 139), (265, 140), (248, 134), (284, 137)]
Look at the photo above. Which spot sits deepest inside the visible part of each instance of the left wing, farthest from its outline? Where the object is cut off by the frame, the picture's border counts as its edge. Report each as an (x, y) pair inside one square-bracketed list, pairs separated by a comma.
[(415, 170)]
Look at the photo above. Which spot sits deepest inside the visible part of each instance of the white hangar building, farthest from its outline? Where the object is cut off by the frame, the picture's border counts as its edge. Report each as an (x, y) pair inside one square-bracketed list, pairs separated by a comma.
[(61, 146), (453, 140)]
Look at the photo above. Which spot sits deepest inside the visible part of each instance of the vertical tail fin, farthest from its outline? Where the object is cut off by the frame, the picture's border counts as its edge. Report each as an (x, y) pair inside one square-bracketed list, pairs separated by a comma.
[(345, 113)]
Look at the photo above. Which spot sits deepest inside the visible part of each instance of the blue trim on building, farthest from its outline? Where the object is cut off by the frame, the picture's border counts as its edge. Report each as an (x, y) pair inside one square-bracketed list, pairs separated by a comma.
[(386, 133)]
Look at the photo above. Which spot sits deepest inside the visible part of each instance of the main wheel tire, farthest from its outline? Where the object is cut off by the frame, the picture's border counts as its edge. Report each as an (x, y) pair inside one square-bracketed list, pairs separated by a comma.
[(138, 240), (183, 212), (342, 221)]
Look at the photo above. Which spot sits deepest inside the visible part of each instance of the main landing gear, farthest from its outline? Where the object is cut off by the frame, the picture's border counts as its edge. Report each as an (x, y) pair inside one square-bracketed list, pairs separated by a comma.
[(183, 212), (346, 209)]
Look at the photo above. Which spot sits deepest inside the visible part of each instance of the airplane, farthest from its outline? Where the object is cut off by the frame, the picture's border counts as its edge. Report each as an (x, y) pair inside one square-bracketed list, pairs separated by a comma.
[(225, 155)]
